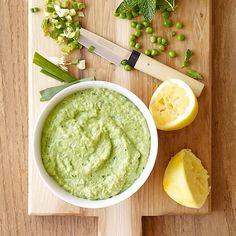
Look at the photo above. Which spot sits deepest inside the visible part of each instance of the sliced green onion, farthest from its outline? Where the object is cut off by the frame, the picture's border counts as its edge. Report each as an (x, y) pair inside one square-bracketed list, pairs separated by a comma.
[(75, 61), (35, 9), (72, 12), (52, 68), (61, 22), (81, 65), (48, 93), (50, 9), (64, 3), (81, 5), (69, 47), (50, 75), (91, 49)]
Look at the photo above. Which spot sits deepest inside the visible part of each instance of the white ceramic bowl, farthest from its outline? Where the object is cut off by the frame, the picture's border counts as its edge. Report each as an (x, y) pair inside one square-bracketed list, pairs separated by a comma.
[(59, 191)]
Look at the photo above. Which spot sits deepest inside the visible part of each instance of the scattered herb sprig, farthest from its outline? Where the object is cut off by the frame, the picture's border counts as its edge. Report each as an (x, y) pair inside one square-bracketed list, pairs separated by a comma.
[(194, 74), (190, 72), (187, 56)]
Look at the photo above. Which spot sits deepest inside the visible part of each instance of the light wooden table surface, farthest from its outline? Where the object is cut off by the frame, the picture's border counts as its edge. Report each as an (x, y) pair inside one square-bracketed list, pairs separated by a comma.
[(13, 137)]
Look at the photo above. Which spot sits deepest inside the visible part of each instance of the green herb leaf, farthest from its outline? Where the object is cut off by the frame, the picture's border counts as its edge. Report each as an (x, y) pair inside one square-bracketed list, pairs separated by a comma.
[(148, 8), (166, 5), (52, 68), (126, 6), (194, 74), (187, 57), (48, 93), (171, 4)]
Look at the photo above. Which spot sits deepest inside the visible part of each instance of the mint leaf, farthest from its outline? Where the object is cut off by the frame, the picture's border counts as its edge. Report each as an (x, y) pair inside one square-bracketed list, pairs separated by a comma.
[(126, 6), (166, 4), (161, 3), (194, 74), (187, 57), (148, 8)]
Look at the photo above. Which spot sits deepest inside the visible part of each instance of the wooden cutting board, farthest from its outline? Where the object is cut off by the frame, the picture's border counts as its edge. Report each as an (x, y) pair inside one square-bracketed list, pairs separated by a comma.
[(150, 200)]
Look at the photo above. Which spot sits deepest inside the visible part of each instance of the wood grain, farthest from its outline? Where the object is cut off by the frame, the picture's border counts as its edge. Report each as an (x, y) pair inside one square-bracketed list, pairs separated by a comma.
[(151, 198), (13, 140)]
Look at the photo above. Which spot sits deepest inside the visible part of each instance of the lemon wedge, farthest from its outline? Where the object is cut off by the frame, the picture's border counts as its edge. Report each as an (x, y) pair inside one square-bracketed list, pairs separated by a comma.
[(186, 180), (173, 105)]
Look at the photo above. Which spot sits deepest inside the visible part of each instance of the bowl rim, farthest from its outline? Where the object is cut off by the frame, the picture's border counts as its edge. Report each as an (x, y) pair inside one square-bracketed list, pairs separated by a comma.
[(54, 187)]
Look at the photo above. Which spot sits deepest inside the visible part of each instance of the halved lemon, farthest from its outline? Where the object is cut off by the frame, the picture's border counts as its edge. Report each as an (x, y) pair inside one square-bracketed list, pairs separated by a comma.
[(173, 105), (186, 180)]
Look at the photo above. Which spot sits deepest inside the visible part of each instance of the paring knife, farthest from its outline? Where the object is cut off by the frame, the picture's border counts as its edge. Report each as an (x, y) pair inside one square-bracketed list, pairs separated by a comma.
[(115, 54)]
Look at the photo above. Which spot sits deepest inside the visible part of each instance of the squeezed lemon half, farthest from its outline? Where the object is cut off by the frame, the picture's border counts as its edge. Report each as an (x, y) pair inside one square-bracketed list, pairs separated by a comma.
[(186, 180), (173, 105)]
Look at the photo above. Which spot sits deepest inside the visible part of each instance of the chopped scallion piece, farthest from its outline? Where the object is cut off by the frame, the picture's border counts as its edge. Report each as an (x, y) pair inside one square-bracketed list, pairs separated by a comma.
[(50, 9), (81, 65), (75, 61), (64, 3), (35, 9), (91, 49), (78, 5), (61, 22), (81, 5), (70, 46)]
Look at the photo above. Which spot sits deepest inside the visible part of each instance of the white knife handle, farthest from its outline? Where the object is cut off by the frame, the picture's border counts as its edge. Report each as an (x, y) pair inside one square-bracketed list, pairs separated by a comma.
[(162, 72)]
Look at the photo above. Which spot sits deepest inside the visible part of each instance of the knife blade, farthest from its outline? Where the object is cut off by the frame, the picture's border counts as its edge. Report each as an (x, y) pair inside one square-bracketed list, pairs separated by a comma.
[(104, 48), (115, 54)]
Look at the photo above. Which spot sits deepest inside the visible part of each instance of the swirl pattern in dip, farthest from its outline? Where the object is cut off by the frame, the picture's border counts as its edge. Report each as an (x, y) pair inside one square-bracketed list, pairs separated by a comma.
[(95, 143)]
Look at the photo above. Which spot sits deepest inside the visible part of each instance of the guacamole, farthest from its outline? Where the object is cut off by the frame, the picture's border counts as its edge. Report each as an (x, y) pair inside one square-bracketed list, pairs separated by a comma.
[(95, 143)]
